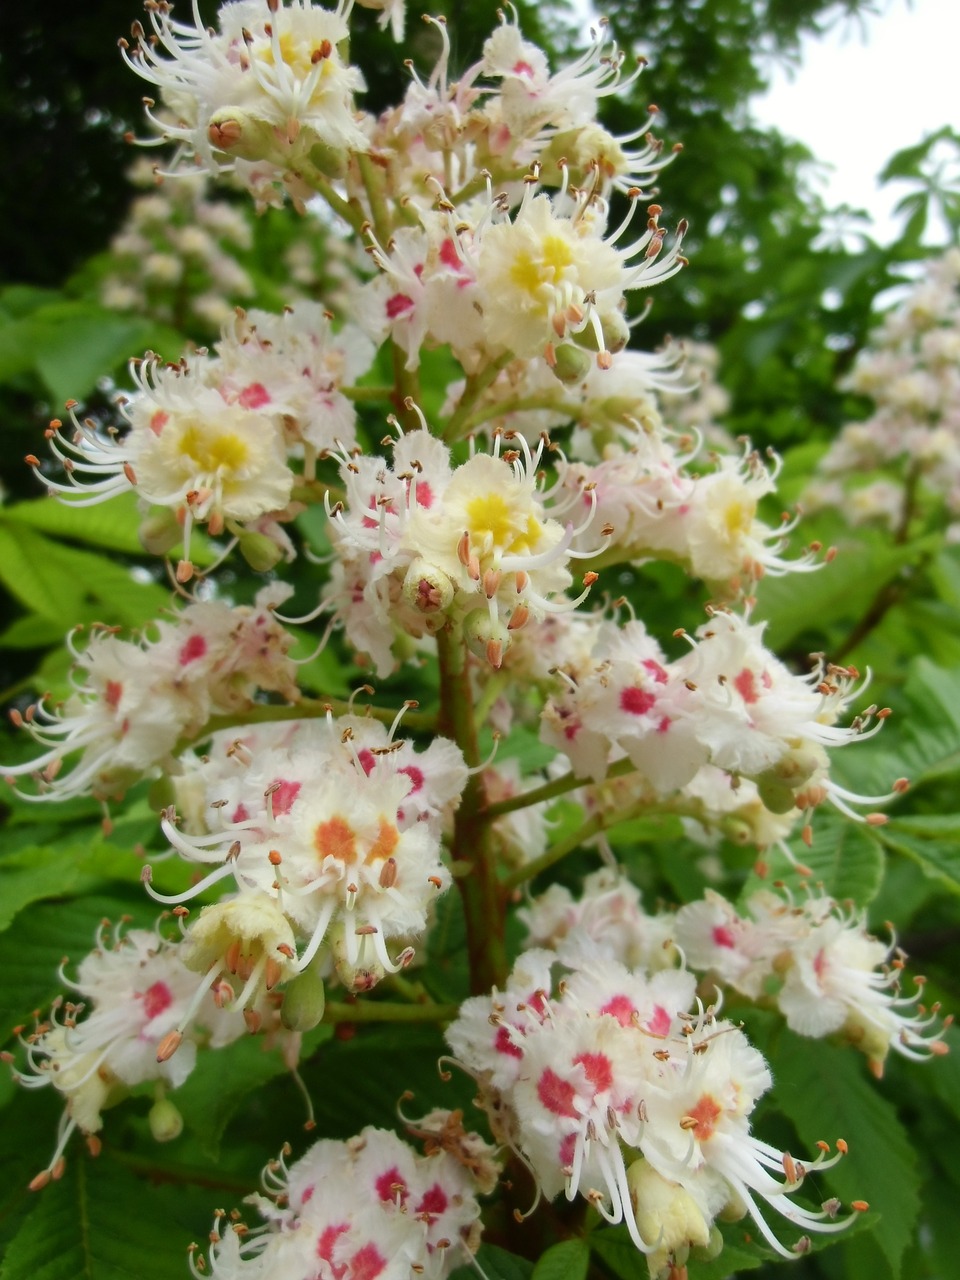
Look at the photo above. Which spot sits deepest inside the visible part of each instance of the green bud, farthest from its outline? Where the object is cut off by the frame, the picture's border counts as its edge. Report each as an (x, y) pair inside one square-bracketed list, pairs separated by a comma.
[(712, 1249), (615, 330), (572, 364), (486, 637), (166, 1122), (427, 588), (159, 531), (236, 132), (327, 159), (304, 1000), (260, 552), (774, 795)]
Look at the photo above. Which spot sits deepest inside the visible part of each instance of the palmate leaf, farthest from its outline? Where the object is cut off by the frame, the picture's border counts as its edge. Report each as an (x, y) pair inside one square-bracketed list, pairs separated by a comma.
[(101, 1223), (112, 524), (931, 841)]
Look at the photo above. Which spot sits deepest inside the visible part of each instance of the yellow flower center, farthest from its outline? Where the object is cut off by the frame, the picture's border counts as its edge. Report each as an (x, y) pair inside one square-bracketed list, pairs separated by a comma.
[(493, 523), (531, 271), (738, 518), (213, 452)]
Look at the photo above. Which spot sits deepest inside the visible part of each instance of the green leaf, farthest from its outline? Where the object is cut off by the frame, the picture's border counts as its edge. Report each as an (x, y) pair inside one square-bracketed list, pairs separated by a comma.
[(846, 857), (112, 524), (91, 1225), (822, 1090), (932, 842), (31, 632), (568, 1260), (497, 1264), (221, 1082)]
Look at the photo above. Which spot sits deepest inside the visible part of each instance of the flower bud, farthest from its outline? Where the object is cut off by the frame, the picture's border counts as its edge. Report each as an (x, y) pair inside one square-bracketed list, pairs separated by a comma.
[(667, 1216), (615, 330), (303, 1001), (260, 552), (357, 975), (166, 1122), (487, 637), (159, 532), (235, 131), (571, 364), (427, 588)]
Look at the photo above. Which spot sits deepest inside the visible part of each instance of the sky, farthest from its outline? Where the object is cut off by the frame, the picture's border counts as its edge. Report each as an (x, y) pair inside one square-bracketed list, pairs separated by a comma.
[(865, 90)]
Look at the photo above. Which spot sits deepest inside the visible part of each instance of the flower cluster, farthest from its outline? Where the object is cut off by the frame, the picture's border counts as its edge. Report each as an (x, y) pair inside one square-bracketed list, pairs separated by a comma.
[(131, 993), (366, 1209), (331, 833), (813, 958), (137, 698), (608, 1086), (910, 372), (210, 439)]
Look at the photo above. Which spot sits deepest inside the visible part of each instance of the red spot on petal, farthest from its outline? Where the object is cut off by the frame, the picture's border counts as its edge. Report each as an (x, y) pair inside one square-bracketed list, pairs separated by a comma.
[(637, 701), (658, 1023), (434, 1203), (156, 999), (567, 1148), (113, 693), (723, 936), (424, 495), (254, 396), (367, 760), (240, 814), (284, 796), (622, 1008), (504, 1043), (193, 647), (398, 305), (415, 775), (522, 68), (746, 685), (307, 1194), (366, 1263), (664, 724), (597, 1069), (654, 668), (556, 1095), (390, 1185), (326, 1243)]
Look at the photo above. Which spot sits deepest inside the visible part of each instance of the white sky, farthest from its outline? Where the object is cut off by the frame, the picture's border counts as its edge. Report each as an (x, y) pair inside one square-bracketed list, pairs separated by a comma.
[(854, 103)]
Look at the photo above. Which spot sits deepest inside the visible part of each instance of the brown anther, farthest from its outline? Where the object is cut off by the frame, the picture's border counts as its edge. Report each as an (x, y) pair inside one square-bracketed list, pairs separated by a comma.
[(94, 1145), (842, 1146), (518, 618), (495, 654), (860, 1206), (388, 873), (285, 949), (590, 578), (521, 580), (274, 858), (272, 972), (32, 460), (876, 819), (252, 1020), (790, 1168), (184, 571), (169, 1045), (463, 549), (435, 881), (40, 1181), (491, 582), (231, 958), (365, 930), (901, 785)]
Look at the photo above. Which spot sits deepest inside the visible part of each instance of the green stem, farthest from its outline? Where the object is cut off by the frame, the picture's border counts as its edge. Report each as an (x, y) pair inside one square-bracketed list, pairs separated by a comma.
[(380, 217), (349, 211), (550, 790), (368, 393), (499, 410), (471, 844), (592, 827), (388, 1011), (476, 384)]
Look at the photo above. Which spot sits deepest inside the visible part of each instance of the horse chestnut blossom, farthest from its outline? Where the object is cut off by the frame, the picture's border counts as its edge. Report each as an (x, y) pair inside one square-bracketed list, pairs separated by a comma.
[(366, 1209), (138, 698), (331, 830), (605, 1074), (422, 543), (831, 975), (132, 990)]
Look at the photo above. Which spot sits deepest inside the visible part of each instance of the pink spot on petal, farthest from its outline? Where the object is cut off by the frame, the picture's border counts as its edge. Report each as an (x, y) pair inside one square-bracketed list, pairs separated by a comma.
[(504, 1043), (398, 305), (658, 1023), (664, 724), (390, 1186), (240, 814), (307, 1195), (622, 1008), (415, 775), (193, 647), (366, 1263), (637, 701), (254, 396), (156, 999), (433, 1204), (567, 1148), (746, 685), (556, 1095), (597, 1069), (723, 936), (424, 495), (367, 760), (158, 421), (654, 668), (113, 693), (521, 68), (284, 796)]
